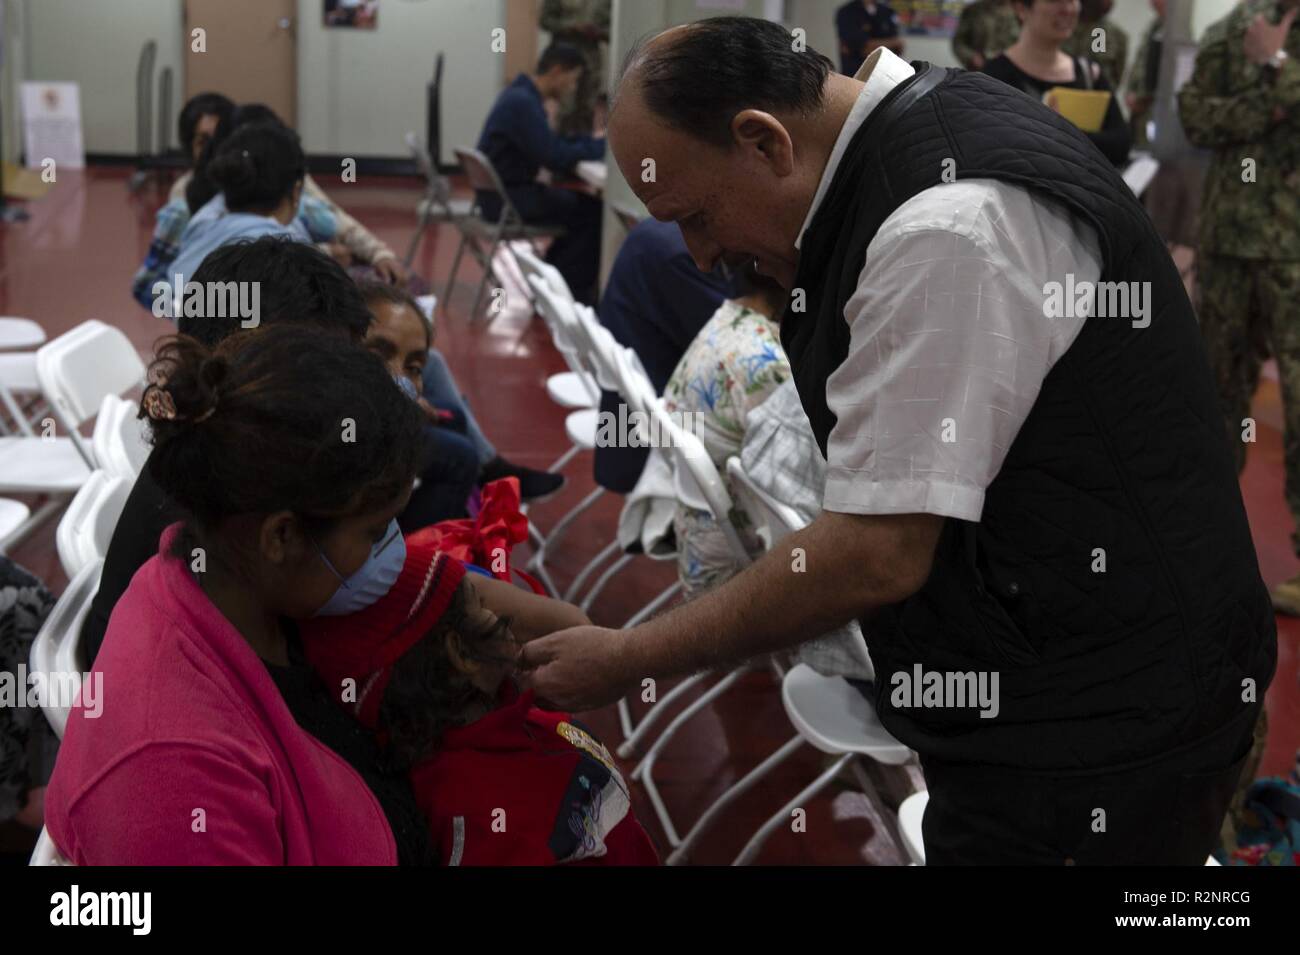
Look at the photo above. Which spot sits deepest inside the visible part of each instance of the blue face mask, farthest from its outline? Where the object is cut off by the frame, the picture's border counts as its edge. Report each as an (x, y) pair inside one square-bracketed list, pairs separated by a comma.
[(407, 386), (372, 580)]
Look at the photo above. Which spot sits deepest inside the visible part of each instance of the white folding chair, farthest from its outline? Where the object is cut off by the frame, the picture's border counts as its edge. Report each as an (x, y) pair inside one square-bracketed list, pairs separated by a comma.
[(78, 369), (828, 713), (20, 334), (575, 388), (120, 442), (86, 527), (56, 652), (75, 372), (438, 205), (484, 236), (46, 852)]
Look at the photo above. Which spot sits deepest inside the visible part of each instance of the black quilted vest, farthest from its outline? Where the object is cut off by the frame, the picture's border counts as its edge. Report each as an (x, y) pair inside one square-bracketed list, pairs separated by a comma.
[(1123, 451)]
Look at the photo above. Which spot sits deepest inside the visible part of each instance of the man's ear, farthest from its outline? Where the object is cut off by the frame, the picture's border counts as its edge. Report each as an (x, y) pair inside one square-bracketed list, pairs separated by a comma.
[(753, 129)]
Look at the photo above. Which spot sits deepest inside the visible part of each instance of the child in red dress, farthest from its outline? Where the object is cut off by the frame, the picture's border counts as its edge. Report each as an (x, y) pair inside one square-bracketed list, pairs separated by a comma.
[(500, 781)]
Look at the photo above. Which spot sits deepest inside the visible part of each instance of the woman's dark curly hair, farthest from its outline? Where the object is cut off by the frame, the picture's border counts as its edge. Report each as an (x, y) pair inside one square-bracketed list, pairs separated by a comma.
[(427, 694), (279, 418)]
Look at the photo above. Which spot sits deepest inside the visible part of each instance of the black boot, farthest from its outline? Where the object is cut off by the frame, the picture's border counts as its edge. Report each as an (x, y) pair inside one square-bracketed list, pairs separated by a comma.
[(534, 485)]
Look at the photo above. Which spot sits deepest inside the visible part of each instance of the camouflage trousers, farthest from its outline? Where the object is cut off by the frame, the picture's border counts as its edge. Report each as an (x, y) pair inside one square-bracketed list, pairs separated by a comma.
[(1249, 310)]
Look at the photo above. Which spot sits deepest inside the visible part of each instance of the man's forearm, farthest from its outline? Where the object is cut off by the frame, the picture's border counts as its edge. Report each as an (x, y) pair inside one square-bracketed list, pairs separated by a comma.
[(835, 570)]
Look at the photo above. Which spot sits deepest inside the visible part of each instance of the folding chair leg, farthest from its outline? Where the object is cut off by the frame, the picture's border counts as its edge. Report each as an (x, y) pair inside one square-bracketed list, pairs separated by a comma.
[(488, 274), (34, 520), (423, 224), (782, 815), (561, 526), (455, 268), (890, 819), (724, 802), (629, 745), (644, 771), (606, 553)]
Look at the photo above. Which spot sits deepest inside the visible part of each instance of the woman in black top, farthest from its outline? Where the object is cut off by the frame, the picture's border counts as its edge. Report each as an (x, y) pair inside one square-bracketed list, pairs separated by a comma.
[(1035, 64)]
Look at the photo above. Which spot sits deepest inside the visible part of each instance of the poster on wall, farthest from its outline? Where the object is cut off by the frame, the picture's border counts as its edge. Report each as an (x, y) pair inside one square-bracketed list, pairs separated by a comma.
[(352, 14), (937, 18), (52, 125)]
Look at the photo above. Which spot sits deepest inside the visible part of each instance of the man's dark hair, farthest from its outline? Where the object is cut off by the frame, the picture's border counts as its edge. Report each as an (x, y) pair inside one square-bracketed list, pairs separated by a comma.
[(710, 70), (564, 55), (296, 283), (203, 104), (257, 167)]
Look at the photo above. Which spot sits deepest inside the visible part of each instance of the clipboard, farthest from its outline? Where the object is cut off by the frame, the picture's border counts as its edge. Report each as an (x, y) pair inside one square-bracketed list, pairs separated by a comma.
[(1085, 108)]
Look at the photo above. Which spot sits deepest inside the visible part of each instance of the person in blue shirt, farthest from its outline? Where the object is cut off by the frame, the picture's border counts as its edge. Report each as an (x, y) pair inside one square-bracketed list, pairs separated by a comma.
[(863, 26), (518, 138), (655, 303), (260, 169)]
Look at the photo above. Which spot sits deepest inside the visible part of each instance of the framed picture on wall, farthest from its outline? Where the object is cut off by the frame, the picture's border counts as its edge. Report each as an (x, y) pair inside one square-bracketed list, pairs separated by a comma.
[(352, 14)]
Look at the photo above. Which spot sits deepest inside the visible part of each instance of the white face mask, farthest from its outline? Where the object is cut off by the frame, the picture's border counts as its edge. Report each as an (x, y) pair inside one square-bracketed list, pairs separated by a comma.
[(372, 580)]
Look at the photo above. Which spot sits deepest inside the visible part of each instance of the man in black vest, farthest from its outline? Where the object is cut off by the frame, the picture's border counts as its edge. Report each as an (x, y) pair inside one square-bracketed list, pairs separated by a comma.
[(1029, 501)]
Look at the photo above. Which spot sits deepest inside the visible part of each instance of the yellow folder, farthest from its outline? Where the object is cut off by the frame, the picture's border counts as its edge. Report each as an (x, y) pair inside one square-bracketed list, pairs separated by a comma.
[(1085, 108)]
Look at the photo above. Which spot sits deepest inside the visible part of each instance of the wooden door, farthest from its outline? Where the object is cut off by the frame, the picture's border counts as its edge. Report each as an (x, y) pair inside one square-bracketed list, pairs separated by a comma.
[(250, 52)]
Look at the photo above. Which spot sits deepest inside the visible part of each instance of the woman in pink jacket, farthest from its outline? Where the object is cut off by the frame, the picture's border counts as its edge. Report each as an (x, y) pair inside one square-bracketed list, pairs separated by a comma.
[(291, 452)]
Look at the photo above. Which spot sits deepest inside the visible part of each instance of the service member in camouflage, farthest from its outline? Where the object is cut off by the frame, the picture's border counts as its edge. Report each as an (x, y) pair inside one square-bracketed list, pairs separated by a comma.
[(986, 29), (1113, 41), (585, 25), (1143, 79), (1243, 102)]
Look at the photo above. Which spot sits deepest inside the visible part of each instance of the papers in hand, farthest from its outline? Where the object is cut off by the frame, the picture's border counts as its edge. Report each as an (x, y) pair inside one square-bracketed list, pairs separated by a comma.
[(1085, 108)]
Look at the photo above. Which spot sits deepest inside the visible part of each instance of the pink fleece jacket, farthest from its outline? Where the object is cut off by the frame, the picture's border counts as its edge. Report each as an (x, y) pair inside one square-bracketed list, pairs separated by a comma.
[(195, 758)]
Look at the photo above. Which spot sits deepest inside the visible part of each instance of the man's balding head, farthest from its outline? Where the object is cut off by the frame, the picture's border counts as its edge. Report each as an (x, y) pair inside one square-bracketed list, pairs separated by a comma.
[(722, 127), (695, 78)]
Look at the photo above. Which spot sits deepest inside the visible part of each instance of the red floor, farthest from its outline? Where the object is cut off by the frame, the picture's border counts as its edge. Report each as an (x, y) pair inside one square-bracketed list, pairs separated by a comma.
[(74, 259)]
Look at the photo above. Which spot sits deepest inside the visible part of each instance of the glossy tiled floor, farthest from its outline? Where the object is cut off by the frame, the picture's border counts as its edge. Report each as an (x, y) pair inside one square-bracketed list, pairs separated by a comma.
[(73, 260)]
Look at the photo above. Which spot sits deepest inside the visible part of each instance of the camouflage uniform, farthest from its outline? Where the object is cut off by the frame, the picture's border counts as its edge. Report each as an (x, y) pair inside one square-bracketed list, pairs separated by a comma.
[(1143, 93), (1112, 60), (1249, 257), (563, 19), (987, 27)]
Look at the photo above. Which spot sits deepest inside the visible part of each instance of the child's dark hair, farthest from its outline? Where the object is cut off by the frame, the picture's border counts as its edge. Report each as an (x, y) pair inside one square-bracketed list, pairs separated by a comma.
[(198, 106), (257, 167), (201, 188), (427, 694), (373, 292), (296, 282), (279, 418)]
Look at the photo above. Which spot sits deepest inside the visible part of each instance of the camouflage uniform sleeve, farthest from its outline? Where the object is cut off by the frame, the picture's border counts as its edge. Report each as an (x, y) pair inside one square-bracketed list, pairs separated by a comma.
[(1137, 78), (603, 14), (1212, 119), (964, 39), (559, 17)]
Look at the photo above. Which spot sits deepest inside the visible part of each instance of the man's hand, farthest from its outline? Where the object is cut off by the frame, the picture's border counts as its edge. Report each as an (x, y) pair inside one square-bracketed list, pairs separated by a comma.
[(390, 270), (976, 62), (579, 669), (1263, 39)]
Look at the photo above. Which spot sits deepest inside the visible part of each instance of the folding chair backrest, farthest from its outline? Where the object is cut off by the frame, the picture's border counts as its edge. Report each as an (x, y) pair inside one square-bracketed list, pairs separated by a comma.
[(437, 187), (86, 527), (56, 651), (597, 346), (120, 440), (697, 481), (565, 334), (483, 177), (79, 368)]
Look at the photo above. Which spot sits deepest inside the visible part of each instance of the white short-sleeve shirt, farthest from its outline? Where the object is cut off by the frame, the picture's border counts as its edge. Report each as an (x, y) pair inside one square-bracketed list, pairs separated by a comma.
[(949, 335)]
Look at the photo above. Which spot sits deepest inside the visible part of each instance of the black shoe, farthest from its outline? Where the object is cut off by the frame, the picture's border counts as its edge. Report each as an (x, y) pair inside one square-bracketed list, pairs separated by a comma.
[(533, 485)]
